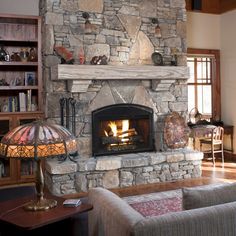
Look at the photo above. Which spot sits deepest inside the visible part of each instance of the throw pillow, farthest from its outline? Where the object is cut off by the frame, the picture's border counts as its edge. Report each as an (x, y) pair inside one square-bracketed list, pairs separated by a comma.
[(210, 195)]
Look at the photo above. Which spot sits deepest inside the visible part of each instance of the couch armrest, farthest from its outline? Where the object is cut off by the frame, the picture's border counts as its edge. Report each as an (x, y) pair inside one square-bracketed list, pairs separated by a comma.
[(110, 215)]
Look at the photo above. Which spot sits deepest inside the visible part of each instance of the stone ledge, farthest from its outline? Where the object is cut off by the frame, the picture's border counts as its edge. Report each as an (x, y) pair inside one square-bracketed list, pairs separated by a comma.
[(132, 160), (108, 163), (54, 167)]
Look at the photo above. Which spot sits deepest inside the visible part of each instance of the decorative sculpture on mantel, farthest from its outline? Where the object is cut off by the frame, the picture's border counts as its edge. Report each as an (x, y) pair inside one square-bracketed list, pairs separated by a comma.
[(99, 60), (65, 55)]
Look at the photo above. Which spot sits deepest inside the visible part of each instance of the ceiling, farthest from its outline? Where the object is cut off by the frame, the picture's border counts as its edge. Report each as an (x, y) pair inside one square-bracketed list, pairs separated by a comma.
[(212, 6)]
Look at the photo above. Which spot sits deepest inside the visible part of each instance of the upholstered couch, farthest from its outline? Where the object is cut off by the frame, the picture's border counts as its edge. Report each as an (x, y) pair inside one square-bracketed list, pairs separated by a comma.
[(112, 216)]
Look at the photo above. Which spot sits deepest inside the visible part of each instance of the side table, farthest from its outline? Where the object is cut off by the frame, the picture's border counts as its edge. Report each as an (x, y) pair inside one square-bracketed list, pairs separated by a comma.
[(13, 216)]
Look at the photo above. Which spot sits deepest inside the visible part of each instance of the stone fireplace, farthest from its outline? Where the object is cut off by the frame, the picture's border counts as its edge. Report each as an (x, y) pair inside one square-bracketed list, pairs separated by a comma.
[(124, 32)]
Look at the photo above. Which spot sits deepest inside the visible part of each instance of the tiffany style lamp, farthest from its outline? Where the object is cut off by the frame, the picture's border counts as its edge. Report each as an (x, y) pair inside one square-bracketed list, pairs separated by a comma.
[(38, 140)]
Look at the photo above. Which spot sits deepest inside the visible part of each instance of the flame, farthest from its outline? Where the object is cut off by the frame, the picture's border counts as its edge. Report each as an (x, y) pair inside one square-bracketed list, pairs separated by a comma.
[(106, 133), (125, 127), (113, 127), (115, 131)]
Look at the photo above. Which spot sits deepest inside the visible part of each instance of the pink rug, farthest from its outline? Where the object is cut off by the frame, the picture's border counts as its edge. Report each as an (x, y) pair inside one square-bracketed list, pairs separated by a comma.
[(156, 204)]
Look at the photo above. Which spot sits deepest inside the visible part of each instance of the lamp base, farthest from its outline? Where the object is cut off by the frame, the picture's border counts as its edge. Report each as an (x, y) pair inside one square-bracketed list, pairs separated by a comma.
[(40, 205)]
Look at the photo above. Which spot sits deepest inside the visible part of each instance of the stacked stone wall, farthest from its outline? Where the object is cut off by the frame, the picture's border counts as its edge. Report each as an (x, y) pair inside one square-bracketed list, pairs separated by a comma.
[(122, 30)]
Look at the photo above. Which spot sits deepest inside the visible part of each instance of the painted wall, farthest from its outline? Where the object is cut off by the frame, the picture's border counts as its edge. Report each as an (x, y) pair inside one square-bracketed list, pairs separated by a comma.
[(228, 69), (218, 32), (203, 30), (24, 7)]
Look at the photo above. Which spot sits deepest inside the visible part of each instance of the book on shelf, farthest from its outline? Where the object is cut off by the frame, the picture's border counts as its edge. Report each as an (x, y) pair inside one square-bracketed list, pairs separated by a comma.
[(12, 104), (29, 97), (22, 101), (72, 202)]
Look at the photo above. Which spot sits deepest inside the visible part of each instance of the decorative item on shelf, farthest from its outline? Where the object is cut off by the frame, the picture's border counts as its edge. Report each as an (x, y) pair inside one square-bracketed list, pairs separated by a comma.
[(24, 54), (15, 56), (157, 58), (4, 105), (99, 60), (157, 27), (81, 56), (32, 55), (16, 82), (34, 107), (3, 82), (194, 117), (38, 140), (30, 78), (176, 131), (4, 56), (87, 24), (174, 61), (65, 55)]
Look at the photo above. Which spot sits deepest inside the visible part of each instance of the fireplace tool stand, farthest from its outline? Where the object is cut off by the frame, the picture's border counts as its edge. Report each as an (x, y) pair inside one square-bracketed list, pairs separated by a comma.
[(67, 116)]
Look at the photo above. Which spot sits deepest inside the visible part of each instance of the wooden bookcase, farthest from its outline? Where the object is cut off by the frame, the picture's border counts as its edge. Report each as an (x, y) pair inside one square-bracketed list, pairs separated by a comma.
[(20, 86)]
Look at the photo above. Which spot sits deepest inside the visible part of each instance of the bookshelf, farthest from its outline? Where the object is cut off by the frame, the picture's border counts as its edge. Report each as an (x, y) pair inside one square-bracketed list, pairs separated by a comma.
[(20, 85)]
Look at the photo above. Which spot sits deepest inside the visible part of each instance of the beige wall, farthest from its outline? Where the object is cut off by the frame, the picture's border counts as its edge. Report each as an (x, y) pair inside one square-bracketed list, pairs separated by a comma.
[(23, 7), (228, 69), (203, 30), (211, 31)]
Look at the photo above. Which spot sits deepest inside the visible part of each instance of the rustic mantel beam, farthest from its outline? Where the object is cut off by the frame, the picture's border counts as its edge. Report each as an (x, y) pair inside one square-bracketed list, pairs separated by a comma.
[(79, 77), (110, 72)]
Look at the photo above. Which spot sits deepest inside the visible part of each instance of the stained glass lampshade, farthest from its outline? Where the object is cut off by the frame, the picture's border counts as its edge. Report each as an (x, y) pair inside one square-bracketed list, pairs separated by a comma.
[(38, 140)]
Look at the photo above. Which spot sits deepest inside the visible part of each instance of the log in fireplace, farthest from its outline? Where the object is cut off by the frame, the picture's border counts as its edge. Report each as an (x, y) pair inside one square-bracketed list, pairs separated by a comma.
[(122, 128)]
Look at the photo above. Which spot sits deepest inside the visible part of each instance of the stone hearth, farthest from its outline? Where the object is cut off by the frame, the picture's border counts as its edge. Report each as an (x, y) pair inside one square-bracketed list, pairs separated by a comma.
[(122, 170)]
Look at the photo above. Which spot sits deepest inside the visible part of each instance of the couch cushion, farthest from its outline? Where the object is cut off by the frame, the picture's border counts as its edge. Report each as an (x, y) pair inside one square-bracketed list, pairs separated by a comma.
[(210, 195)]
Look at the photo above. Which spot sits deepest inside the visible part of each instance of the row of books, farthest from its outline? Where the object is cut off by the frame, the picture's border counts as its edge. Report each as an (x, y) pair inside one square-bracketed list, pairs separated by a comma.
[(21, 103)]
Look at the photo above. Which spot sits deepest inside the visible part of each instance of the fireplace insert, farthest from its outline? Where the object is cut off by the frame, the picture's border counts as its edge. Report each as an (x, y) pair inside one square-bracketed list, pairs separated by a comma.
[(122, 128)]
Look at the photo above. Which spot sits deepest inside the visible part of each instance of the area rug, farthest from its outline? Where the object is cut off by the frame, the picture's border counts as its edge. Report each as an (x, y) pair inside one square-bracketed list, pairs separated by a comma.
[(156, 204), (160, 203)]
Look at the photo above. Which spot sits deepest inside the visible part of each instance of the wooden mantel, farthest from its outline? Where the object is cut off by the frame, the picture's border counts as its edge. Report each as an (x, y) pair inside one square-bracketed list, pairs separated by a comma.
[(82, 75)]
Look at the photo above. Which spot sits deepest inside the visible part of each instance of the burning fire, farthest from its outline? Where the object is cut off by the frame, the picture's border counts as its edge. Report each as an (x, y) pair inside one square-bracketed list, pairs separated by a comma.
[(121, 133), (125, 127), (118, 134)]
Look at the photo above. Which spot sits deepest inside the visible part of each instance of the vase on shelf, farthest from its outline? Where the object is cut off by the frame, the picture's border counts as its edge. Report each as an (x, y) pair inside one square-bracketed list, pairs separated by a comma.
[(4, 56), (24, 54), (15, 56), (32, 55)]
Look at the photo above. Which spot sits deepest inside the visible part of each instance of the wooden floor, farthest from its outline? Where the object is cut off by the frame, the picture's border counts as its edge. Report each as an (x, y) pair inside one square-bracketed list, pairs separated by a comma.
[(210, 174)]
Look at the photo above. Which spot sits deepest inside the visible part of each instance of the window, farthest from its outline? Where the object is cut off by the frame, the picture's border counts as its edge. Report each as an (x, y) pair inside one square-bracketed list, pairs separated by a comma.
[(204, 82)]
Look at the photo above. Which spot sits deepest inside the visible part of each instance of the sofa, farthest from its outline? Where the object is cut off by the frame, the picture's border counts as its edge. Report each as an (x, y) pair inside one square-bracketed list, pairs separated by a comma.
[(211, 211)]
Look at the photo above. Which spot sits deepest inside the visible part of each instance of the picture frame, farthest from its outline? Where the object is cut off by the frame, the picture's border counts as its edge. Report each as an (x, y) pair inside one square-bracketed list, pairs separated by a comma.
[(30, 78)]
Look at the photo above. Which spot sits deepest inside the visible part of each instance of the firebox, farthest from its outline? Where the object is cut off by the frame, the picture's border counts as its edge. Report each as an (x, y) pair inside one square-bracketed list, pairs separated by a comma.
[(122, 128)]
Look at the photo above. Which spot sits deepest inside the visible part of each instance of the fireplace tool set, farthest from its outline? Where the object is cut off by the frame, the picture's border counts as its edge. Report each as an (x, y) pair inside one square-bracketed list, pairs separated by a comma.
[(67, 116)]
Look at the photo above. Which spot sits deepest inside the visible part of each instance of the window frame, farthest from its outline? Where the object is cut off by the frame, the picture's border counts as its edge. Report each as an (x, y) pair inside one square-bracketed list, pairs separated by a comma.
[(216, 90)]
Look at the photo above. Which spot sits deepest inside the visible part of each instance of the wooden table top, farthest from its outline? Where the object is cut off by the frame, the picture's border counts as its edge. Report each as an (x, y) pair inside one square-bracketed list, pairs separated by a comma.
[(12, 212)]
